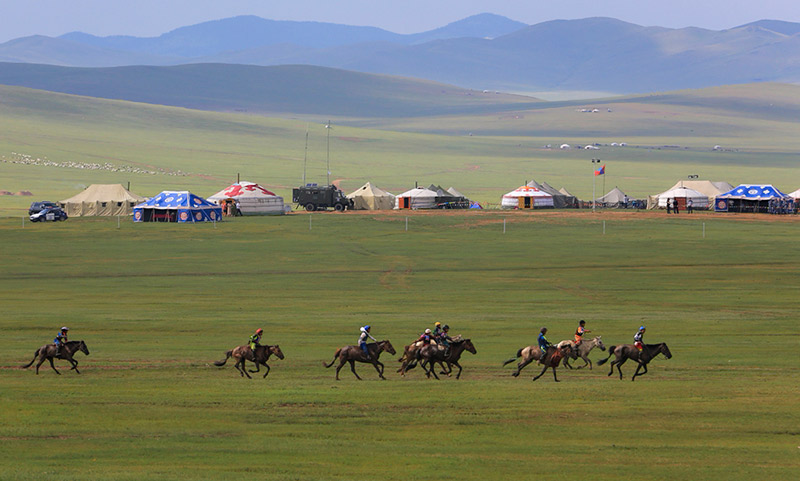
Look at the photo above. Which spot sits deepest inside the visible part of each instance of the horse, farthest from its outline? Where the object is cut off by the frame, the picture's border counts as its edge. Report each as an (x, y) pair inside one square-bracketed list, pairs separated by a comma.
[(352, 354), (553, 358), (629, 351), (409, 357), (48, 352), (259, 357), (582, 351), (533, 353), (430, 355)]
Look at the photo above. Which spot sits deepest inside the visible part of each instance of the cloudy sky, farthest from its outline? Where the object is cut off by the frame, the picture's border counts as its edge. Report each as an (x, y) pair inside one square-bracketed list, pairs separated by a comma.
[(154, 17)]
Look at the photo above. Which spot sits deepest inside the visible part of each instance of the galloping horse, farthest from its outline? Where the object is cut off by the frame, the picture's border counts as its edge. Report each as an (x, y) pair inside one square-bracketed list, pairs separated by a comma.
[(259, 357), (533, 353), (629, 351), (430, 355), (409, 357), (582, 351), (352, 354), (48, 352)]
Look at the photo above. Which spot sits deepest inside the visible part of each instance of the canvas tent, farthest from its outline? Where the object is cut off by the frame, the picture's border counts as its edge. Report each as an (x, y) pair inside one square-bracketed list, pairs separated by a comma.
[(416, 198), (370, 197), (177, 206), (683, 195), (748, 198), (615, 198), (526, 197), (560, 200), (101, 199), (571, 199), (794, 195), (252, 199), (708, 188)]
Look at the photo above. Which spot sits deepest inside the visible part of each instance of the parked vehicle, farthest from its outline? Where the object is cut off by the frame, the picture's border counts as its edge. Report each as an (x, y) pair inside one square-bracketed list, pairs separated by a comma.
[(49, 214), (320, 197), (38, 206)]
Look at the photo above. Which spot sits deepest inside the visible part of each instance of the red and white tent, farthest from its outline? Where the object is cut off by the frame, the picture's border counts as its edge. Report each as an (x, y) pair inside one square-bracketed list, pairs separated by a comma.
[(538, 198), (252, 199)]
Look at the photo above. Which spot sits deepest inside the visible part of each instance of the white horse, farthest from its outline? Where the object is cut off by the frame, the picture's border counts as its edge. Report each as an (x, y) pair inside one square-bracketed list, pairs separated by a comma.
[(582, 350)]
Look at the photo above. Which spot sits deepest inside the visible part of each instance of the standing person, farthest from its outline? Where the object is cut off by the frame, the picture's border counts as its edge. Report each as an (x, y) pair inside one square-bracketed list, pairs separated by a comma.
[(638, 338), (689, 205), (255, 340), (238, 209), (543, 343), (669, 206), (675, 205), (61, 339), (579, 332), (362, 340)]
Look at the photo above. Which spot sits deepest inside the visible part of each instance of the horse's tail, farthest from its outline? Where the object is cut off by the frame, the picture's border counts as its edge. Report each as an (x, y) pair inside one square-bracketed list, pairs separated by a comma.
[(227, 356), (519, 353), (35, 354), (610, 353), (335, 357)]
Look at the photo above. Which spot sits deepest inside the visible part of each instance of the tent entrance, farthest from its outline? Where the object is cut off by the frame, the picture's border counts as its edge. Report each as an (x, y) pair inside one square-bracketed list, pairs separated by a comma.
[(405, 203), (526, 202)]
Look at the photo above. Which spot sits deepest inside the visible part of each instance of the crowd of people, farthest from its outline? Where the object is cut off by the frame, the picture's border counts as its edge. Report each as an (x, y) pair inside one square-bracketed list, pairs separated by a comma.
[(782, 206), (674, 208)]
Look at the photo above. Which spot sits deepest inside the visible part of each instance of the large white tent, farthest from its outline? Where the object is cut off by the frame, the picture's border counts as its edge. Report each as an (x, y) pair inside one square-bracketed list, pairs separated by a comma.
[(710, 189), (795, 194), (615, 198), (416, 198), (538, 198), (101, 199), (370, 197), (252, 198), (699, 200)]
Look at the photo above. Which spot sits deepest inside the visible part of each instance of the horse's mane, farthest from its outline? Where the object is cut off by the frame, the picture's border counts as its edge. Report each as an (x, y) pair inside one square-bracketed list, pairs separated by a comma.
[(74, 342), (460, 341)]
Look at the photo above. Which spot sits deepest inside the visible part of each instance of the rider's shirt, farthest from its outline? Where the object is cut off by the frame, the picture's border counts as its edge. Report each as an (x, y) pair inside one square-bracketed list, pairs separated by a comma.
[(579, 333), (254, 340), (638, 337), (425, 338), (362, 339), (61, 338), (543, 342)]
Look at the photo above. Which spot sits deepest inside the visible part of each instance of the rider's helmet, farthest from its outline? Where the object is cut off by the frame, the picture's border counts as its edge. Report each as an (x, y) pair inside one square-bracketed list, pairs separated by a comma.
[(65, 328), (641, 328), (259, 330), (427, 331), (367, 328), (438, 324), (582, 322), (446, 327)]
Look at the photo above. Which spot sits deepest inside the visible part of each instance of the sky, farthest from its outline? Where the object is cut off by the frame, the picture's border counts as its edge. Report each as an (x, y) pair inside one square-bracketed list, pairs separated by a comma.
[(146, 18)]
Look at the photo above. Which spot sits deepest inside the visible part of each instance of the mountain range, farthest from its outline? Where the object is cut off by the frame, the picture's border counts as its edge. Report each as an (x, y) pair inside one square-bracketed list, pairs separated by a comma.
[(484, 52)]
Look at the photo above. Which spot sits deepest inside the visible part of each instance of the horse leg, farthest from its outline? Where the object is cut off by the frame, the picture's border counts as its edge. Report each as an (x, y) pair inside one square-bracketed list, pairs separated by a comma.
[(243, 368), (432, 365), (379, 369), (637, 373), (566, 362), (41, 361), (458, 375), (53, 365), (342, 361), (554, 374), (540, 374), (266, 366), (74, 365), (619, 367), (520, 366), (353, 368)]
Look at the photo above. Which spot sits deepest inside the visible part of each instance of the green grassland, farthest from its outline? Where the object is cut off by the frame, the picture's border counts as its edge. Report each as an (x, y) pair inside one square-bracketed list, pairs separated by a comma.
[(755, 125), (157, 303)]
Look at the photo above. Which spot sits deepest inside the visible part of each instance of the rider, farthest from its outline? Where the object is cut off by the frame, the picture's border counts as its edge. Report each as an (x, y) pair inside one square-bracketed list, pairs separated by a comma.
[(579, 332), (362, 340), (437, 330), (61, 339), (255, 339), (425, 337), (638, 338), (445, 339), (543, 343)]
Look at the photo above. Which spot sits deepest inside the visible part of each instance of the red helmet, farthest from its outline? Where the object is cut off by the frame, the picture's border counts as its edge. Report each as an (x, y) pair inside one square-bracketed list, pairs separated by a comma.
[(259, 331)]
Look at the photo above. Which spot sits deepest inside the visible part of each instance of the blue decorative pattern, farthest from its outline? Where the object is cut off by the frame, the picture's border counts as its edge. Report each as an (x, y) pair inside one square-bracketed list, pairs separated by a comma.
[(753, 192), (187, 206)]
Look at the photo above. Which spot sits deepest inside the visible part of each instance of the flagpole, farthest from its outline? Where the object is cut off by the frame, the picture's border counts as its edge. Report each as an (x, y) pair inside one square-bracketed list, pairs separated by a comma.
[(594, 176)]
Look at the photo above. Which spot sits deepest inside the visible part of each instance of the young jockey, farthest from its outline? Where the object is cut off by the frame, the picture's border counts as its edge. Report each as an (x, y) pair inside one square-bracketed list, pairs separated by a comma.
[(425, 337), (255, 339), (579, 332), (362, 340), (445, 339), (638, 338), (543, 343), (61, 339), (437, 330)]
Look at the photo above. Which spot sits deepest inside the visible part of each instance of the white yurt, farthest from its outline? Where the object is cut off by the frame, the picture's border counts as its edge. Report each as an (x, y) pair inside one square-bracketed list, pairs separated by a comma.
[(516, 199), (416, 198), (795, 194), (252, 198), (699, 200)]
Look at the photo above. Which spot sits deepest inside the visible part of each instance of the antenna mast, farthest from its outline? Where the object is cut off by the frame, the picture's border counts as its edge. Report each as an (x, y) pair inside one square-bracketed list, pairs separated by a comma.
[(305, 157)]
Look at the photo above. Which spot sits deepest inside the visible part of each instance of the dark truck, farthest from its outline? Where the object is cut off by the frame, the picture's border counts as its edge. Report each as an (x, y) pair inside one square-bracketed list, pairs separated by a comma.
[(320, 197)]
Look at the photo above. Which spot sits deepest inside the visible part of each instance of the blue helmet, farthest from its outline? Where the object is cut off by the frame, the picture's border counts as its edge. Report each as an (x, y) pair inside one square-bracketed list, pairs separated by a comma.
[(641, 328), (367, 328)]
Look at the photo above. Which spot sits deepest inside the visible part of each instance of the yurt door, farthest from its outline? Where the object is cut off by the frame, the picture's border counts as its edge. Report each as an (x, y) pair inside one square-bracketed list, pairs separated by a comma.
[(405, 202), (526, 202), (681, 203)]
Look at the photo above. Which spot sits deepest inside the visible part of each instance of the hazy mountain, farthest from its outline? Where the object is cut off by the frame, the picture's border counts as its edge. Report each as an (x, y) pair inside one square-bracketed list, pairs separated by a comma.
[(293, 89), (56, 51)]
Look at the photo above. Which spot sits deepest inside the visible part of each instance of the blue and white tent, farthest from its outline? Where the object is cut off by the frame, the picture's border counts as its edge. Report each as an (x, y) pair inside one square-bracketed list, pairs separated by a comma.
[(748, 198), (177, 206)]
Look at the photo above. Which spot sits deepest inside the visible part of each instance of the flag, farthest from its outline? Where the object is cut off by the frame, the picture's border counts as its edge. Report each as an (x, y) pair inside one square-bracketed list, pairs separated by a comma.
[(601, 170)]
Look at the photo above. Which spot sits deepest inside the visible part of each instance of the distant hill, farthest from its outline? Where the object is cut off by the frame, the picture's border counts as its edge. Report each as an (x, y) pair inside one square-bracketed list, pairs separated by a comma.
[(291, 89), (483, 52)]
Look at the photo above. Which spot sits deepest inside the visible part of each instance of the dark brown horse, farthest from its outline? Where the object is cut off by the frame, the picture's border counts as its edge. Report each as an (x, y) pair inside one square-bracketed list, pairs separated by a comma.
[(352, 354), (259, 357), (532, 353), (48, 352), (629, 351), (430, 355)]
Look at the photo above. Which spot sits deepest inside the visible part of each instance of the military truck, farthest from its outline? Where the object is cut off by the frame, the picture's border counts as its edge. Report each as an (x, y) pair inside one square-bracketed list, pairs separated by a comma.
[(321, 197)]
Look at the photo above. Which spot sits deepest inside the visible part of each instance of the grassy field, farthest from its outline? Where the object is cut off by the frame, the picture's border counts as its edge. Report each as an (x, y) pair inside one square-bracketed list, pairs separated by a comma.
[(505, 149), (157, 303)]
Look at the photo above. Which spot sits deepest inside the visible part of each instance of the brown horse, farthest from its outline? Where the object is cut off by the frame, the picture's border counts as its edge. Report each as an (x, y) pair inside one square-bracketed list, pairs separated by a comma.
[(409, 357), (259, 357), (430, 355), (48, 352), (629, 351), (582, 351), (532, 353), (352, 354)]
